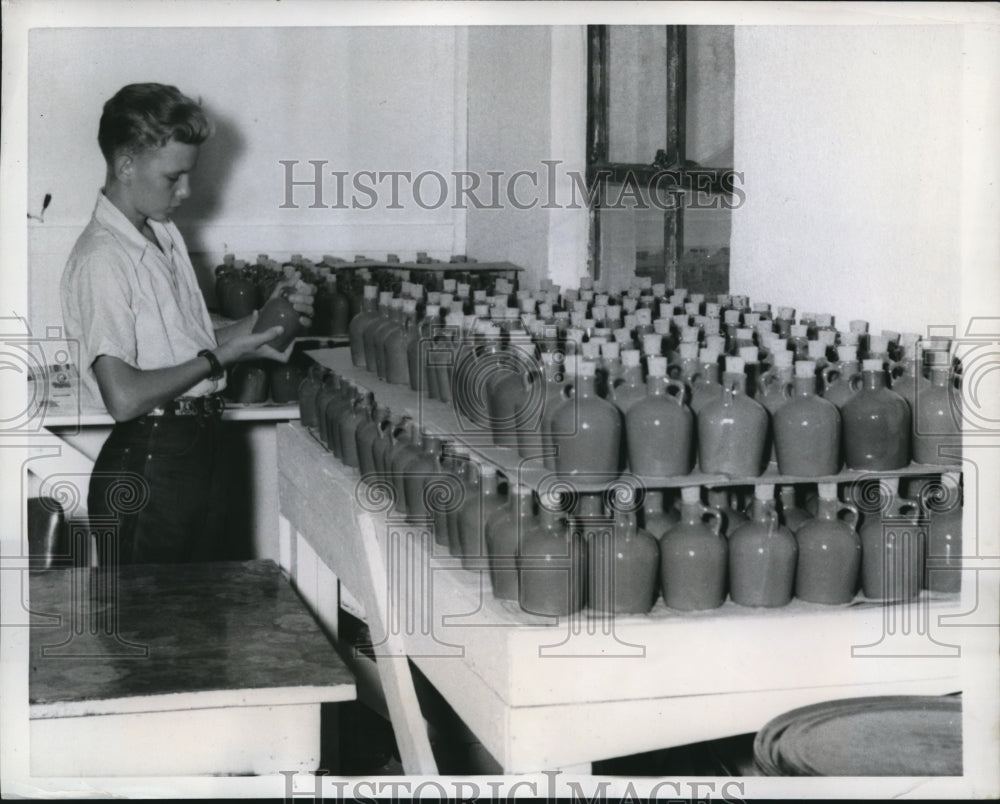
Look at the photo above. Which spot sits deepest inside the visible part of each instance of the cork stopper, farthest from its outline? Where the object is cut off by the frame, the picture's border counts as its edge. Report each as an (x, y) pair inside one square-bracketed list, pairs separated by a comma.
[(799, 330), (827, 491), (644, 316), (612, 351), (828, 337), (858, 326), (816, 349), (764, 491), (735, 365), (659, 288), (371, 292), (877, 344), (712, 309), (688, 350), (623, 335), (751, 320), (690, 494), (657, 366), (711, 326), (786, 313), (784, 359), (652, 343), (526, 305), (586, 368), (689, 335), (761, 308), (805, 368), (731, 317), (486, 469), (824, 320), (849, 338), (749, 354), (431, 310), (385, 297), (709, 355), (692, 308), (871, 364), (716, 342), (409, 306), (744, 333), (661, 326), (630, 358), (847, 353)]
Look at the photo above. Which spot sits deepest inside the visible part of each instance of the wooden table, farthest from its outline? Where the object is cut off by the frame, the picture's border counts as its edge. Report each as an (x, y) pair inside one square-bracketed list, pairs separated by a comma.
[(542, 693), (159, 670)]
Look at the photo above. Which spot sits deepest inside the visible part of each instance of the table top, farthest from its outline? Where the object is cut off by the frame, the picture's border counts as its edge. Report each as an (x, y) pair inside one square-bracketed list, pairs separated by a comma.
[(166, 637)]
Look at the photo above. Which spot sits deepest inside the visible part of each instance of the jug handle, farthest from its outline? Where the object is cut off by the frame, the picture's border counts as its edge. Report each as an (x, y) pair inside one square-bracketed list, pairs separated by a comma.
[(714, 517), (829, 375), (680, 388), (851, 509), (855, 381)]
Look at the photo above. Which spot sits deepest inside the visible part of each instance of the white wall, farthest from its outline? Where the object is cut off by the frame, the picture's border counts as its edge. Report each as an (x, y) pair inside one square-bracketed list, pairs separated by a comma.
[(526, 104), (361, 98), (850, 139)]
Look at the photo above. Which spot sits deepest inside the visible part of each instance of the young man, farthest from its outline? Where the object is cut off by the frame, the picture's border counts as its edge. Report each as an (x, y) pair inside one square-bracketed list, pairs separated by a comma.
[(148, 349)]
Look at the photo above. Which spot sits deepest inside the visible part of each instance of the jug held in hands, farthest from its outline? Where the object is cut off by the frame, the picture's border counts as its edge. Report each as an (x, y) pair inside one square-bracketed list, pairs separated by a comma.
[(279, 311)]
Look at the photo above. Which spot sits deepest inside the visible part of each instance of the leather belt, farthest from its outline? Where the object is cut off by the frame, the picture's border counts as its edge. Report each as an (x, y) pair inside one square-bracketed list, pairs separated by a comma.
[(204, 407)]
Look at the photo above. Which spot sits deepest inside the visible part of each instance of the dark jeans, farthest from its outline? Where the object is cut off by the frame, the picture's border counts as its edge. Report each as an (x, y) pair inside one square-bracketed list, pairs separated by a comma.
[(156, 492)]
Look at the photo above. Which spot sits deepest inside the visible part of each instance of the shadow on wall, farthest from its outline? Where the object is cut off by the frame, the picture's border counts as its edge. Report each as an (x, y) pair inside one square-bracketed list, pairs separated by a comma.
[(219, 156)]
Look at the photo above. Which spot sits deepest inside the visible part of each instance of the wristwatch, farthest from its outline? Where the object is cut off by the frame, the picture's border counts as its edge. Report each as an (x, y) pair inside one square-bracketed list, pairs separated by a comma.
[(218, 372)]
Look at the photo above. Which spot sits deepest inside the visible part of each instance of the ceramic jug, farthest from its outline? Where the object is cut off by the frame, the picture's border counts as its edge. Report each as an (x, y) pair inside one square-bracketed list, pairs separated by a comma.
[(807, 429), (366, 435), (503, 538), (329, 391), (876, 424), (622, 568), (482, 502), (551, 563), (943, 504), (762, 556), (660, 428), (937, 417), (893, 545), (308, 389), (829, 551), (406, 448), (732, 431), (774, 389), (395, 345), (594, 448), (516, 395), (351, 419), (360, 322), (694, 556), (284, 380)]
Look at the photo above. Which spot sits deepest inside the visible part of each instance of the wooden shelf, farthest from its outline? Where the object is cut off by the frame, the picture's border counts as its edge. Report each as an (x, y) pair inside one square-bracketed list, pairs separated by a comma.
[(444, 419)]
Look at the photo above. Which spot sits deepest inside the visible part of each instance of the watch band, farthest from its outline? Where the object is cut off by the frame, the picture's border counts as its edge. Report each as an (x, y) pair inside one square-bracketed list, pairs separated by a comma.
[(217, 371)]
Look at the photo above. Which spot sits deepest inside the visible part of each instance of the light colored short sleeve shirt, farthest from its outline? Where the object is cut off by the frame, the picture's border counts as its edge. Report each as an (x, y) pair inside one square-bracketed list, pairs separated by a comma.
[(124, 297)]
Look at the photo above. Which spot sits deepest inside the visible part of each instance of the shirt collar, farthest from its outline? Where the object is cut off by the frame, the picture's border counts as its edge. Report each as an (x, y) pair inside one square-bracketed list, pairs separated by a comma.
[(113, 219)]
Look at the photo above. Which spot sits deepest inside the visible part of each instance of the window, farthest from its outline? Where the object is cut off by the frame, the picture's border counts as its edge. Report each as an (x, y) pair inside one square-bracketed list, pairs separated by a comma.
[(659, 153)]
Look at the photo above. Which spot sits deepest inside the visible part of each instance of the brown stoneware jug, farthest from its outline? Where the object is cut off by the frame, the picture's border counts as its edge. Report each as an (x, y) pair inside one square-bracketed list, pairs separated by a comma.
[(762, 556), (693, 557), (829, 552)]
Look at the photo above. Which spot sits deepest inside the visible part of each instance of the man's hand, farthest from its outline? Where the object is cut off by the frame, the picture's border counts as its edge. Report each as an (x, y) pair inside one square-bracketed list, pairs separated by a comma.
[(252, 347)]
